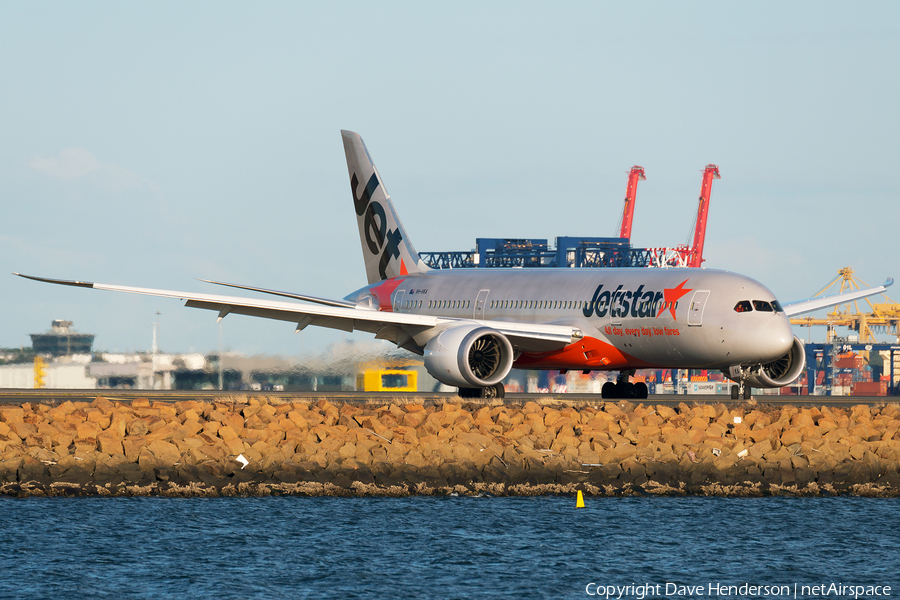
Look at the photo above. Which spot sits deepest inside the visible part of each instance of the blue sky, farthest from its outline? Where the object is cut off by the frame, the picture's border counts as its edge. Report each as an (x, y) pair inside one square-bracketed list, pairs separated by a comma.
[(152, 144)]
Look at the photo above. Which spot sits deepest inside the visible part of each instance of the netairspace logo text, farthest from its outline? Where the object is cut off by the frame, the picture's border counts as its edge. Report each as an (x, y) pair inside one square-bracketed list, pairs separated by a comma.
[(714, 590)]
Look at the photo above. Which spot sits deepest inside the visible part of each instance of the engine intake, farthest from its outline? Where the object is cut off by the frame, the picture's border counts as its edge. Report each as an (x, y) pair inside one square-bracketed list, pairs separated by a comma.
[(778, 373), (469, 356)]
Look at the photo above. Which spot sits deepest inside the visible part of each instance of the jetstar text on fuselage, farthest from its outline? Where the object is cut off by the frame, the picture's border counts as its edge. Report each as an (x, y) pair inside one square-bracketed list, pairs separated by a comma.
[(640, 303)]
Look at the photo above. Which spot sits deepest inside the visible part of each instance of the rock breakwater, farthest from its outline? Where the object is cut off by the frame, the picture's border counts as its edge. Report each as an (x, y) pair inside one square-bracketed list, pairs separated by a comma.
[(192, 448)]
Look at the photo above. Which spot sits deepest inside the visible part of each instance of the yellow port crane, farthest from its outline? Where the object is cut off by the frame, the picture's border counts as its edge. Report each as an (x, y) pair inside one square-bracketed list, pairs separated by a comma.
[(884, 318)]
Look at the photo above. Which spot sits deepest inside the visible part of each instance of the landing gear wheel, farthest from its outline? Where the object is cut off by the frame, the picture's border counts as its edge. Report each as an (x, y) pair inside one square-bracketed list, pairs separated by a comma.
[(641, 390), (748, 392), (735, 392), (608, 390), (494, 391), (625, 389)]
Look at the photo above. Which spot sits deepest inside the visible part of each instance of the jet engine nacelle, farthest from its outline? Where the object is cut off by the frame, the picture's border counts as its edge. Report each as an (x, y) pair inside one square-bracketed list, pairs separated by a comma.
[(778, 373), (469, 356)]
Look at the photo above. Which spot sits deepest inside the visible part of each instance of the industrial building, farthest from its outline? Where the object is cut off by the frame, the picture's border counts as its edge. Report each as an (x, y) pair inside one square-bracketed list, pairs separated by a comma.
[(62, 340)]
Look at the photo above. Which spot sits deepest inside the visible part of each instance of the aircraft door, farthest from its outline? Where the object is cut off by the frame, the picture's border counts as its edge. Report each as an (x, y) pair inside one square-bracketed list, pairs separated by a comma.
[(480, 301), (398, 300), (613, 311), (695, 311)]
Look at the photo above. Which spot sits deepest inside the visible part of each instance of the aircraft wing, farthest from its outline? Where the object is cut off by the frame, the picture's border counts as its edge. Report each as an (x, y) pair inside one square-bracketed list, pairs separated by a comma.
[(326, 301), (813, 304), (339, 316)]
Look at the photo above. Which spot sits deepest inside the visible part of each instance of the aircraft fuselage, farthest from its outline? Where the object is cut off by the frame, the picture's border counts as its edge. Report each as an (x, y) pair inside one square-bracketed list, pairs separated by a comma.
[(630, 318)]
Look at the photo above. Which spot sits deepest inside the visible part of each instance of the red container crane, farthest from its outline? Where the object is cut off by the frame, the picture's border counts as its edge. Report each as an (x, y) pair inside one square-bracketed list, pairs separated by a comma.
[(684, 255), (709, 173), (636, 174)]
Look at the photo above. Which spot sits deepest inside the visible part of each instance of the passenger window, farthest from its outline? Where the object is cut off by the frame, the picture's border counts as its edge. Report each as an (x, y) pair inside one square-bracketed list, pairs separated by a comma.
[(743, 306), (762, 306)]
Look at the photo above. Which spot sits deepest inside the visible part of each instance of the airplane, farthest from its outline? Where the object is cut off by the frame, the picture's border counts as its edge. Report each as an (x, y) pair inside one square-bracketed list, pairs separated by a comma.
[(471, 326)]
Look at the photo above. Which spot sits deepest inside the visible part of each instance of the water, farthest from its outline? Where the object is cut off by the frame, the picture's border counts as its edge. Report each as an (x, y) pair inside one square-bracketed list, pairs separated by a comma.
[(420, 547)]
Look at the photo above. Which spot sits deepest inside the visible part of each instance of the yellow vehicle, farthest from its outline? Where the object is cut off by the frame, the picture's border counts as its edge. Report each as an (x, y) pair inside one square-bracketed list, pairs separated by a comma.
[(387, 380)]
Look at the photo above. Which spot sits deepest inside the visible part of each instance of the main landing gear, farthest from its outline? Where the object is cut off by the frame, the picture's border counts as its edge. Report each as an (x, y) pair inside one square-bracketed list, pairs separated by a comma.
[(493, 391), (739, 390), (623, 388)]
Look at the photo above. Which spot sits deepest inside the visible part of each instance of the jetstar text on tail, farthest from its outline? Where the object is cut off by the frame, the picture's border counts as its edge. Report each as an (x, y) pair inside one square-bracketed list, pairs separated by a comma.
[(375, 224), (637, 303)]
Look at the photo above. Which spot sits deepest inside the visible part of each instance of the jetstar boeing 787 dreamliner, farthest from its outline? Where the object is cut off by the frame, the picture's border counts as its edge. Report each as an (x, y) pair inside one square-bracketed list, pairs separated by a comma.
[(473, 325)]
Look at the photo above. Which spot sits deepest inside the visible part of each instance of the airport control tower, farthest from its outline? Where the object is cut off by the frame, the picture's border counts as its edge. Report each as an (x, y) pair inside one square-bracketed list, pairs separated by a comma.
[(62, 340)]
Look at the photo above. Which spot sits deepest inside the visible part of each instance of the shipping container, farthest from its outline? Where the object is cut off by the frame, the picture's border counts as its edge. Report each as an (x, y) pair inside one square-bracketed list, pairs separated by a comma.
[(874, 388)]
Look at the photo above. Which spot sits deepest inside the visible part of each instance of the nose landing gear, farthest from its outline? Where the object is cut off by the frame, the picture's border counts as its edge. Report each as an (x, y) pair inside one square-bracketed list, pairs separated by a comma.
[(739, 390)]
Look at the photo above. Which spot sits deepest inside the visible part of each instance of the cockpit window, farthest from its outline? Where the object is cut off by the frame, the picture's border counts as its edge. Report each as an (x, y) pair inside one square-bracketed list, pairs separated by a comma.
[(777, 306), (763, 306), (743, 306)]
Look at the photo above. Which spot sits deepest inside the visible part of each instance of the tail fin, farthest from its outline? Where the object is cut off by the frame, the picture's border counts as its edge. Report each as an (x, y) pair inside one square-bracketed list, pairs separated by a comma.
[(385, 245)]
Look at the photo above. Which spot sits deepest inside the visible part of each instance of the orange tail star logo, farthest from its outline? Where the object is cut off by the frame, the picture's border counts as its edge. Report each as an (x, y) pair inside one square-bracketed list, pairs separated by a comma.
[(384, 291)]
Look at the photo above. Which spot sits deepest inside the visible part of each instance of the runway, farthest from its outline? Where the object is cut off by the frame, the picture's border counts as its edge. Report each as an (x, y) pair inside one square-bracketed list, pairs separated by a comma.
[(19, 396)]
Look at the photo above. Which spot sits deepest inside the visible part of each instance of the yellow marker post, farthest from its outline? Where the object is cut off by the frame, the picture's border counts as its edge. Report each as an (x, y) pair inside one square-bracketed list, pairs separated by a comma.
[(40, 372), (580, 502)]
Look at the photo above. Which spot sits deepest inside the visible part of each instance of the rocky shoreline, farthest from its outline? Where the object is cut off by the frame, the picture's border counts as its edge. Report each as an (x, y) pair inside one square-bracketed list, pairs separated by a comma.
[(192, 448)]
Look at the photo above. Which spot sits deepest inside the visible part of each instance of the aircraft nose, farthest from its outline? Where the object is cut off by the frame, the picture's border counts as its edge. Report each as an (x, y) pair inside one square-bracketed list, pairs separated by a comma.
[(777, 338)]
